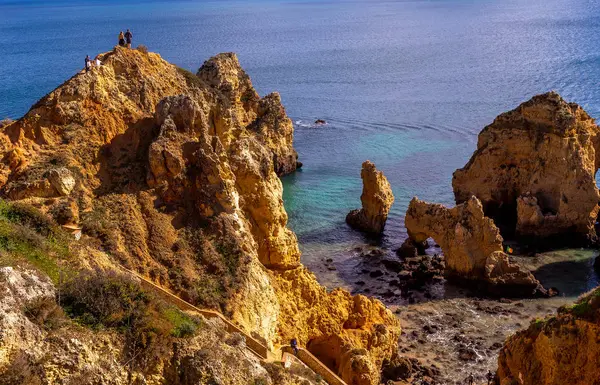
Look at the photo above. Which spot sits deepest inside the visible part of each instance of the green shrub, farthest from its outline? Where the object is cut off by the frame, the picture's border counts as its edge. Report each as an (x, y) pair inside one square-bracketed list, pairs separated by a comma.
[(183, 324), (110, 300), (28, 236), (587, 306), (107, 300), (26, 215)]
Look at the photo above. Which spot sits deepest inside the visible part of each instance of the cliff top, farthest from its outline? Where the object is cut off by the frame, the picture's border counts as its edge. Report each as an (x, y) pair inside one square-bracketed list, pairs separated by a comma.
[(546, 113)]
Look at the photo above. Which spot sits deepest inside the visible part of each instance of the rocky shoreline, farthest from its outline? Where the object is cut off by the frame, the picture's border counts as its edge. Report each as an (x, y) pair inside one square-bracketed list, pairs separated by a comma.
[(175, 176)]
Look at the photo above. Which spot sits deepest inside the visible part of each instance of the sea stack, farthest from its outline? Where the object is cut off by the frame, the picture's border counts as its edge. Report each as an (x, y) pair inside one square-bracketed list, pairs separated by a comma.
[(472, 246), (377, 199), (534, 171)]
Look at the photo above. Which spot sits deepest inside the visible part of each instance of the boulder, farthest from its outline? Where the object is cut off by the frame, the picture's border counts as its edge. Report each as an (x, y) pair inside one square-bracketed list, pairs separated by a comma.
[(534, 171), (377, 199), (472, 246)]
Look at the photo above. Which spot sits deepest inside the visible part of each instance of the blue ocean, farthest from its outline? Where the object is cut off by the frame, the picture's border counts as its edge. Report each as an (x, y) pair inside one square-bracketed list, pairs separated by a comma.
[(406, 84)]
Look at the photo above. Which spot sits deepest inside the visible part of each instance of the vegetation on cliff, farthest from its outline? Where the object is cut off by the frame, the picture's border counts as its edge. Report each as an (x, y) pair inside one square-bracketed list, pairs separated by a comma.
[(562, 349), (175, 176), (101, 325)]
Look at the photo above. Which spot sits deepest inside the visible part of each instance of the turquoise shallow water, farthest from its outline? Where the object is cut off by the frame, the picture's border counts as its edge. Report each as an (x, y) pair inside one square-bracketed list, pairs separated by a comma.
[(406, 84)]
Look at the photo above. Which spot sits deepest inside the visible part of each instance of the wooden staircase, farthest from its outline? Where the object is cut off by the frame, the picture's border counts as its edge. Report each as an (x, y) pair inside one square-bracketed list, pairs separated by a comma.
[(315, 365), (259, 349), (253, 345)]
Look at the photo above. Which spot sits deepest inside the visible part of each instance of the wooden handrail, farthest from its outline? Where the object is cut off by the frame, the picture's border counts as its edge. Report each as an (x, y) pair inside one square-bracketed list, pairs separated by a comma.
[(315, 365), (252, 344)]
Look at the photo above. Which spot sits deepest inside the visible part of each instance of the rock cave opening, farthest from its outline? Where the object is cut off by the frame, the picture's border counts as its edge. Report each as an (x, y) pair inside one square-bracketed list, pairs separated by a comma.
[(327, 349), (504, 215)]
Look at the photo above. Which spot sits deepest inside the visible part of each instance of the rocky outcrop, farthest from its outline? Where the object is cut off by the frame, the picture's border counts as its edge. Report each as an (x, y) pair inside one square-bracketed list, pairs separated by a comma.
[(265, 117), (352, 335), (377, 199), (62, 180), (534, 170), (472, 246), (564, 349), (38, 344), (175, 176)]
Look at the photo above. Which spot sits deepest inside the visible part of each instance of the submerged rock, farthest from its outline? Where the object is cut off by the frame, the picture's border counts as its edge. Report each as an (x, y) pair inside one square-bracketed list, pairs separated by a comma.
[(472, 246), (377, 199), (534, 171)]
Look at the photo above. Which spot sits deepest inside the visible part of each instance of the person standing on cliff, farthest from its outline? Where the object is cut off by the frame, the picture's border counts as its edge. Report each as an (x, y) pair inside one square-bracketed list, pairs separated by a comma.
[(128, 37), (88, 63), (470, 379), (121, 39), (490, 377)]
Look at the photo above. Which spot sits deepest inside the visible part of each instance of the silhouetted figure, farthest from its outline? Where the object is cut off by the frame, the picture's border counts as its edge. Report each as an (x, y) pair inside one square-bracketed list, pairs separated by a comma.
[(490, 377), (121, 39), (128, 37), (470, 379), (88, 63), (294, 345)]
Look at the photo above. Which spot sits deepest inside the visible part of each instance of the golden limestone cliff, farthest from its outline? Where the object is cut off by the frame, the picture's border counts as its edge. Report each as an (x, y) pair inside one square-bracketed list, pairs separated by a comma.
[(175, 176), (39, 344), (534, 171), (377, 199), (563, 349), (472, 246)]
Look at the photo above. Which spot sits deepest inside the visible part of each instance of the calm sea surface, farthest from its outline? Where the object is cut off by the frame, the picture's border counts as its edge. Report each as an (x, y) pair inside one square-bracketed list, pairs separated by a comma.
[(406, 84)]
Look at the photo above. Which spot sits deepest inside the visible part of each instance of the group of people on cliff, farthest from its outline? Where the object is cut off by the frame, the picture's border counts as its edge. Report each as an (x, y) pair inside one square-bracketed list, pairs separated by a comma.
[(125, 38), (124, 41), (91, 64)]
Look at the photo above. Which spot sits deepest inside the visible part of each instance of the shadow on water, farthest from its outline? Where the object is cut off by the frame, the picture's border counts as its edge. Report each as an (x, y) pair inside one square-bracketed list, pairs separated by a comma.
[(342, 235), (572, 278), (364, 271)]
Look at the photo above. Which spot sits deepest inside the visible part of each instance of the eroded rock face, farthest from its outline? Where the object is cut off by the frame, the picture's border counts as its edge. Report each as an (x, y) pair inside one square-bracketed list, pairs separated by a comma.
[(534, 170), (471, 243), (34, 353), (62, 179), (176, 176), (265, 117), (352, 335), (564, 349), (377, 199)]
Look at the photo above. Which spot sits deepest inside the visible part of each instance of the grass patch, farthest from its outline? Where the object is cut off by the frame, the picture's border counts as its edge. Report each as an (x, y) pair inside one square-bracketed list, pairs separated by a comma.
[(29, 236), (183, 324), (587, 306), (110, 300), (581, 309)]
